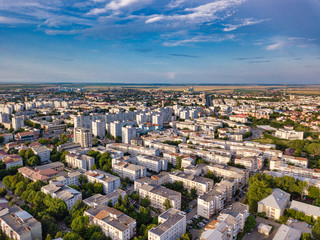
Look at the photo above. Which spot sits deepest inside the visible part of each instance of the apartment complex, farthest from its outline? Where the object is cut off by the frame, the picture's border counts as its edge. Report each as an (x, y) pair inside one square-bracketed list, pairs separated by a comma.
[(110, 182), (128, 170), (83, 136), (79, 161)]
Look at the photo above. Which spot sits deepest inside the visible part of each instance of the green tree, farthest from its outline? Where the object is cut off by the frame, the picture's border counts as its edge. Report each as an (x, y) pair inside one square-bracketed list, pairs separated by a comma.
[(98, 187), (313, 192), (1, 139), (80, 224), (179, 160), (167, 204), (316, 230), (250, 223), (72, 236), (193, 193), (33, 161)]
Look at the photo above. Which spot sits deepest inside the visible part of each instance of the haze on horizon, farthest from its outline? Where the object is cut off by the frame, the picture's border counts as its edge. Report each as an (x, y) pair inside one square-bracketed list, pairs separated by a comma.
[(167, 41)]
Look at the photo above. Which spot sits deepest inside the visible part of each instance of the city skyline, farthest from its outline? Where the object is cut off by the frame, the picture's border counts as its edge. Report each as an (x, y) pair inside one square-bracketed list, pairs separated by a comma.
[(148, 41)]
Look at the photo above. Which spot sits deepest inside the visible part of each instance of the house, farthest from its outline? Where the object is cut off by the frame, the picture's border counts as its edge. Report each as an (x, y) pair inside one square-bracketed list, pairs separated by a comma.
[(43, 152), (25, 136), (264, 229), (12, 160), (287, 233), (99, 199), (274, 204)]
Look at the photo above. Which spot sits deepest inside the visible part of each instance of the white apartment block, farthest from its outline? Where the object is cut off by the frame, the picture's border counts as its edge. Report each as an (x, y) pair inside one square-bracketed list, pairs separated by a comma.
[(83, 136), (113, 223), (172, 226), (298, 161), (154, 164), (18, 224), (98, 199), (110, 182), (128, 133), (79, 161), (17, 122), (215, 230), (99, 129), (201, 184), (67, 194), (128, 170), (250, 163), (43, 152), (72, 178), (158, 195), (289, 134)]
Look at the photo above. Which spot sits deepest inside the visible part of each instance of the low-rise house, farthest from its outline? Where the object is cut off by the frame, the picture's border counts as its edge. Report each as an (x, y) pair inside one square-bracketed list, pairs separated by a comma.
[(287, 233), (35, 174), (12, 160), (274, 204), (264, 229), (113, 223), (110, 182), (172, 224), (70, 178), (18, 224), (67, 194), (25, 136)]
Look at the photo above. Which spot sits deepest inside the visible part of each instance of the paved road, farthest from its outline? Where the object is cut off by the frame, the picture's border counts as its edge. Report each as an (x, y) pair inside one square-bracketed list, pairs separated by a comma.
[(254, 235)]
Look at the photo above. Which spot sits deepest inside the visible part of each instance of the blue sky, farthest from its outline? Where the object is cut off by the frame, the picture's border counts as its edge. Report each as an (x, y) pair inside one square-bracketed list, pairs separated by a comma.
[(160, 41)]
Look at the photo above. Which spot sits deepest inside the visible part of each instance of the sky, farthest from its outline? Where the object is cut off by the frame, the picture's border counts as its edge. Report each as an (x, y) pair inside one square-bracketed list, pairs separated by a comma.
[(160, 41)]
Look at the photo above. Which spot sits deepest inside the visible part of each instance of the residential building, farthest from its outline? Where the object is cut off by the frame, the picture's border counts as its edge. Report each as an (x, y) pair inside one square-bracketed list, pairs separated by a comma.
[(70, 178), (99, 199), (215, 230), (79, 161), (99, 129), (158, 195), (154, 164), (83, 136), (35, 174), (128, 132), (25, 136), (67, 194), (43, 152), (110, 182), (297, 161), (307, 209), (172, 224), (18, 224), (12, 160), (17, 122), (287, 233), (128, 170), (113, 223), (274, 204), (289, 134)]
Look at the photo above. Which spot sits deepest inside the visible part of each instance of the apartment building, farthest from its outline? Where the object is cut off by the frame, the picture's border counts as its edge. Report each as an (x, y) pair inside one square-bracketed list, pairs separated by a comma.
[(285, 232), (17, 122), (190, 181), (99, 129), (128, 170), (274, 204), (70, 178), (79, 161), (250, 163), (25, 136), (128, 133), (99, 199), (297, 161), (35, 175), (113, 223), (18, 224), (239, 118), (289, 134), (154, 164), (215, 230), (110, 182), (83, 136), (172, 224), (43, 152), (158, 195), (67, 194)]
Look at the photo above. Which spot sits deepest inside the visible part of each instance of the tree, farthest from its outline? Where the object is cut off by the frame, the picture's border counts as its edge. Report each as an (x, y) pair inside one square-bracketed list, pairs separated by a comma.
[(80, 224), (1, 139), (98, 187), (145, 202), (179, 161), (33, 161), (193, 193), (313, 192), (72, 236), (257, 191), (167, 204), (316, 230), (3, 192), (250, 223)]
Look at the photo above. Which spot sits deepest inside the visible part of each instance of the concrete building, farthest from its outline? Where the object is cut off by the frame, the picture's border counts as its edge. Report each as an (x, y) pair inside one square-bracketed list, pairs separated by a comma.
[(128, 170), (172, 226), (110, 182), (99, 129), (289, 134), (67, 194), (79, 161), (274, 204), (128, 133), (307, 209), (285, 233), (297, 161), (215, 230), (17, 122), (154, 164), (83, 136), (12, 160), (43, 152), (18, 224), (113, 223), (99, 199), (158, 195)]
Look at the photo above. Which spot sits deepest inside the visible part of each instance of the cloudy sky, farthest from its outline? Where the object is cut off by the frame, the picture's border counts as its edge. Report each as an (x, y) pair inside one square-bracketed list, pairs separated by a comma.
[(160, 41)]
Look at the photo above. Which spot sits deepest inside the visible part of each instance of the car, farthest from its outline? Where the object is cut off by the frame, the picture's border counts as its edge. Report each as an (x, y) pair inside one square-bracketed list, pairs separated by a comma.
[(296, 220)]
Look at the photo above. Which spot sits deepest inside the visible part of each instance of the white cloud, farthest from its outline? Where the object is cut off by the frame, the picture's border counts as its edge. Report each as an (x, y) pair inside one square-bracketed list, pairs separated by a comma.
[(203, 13), (275, 46), (198, 39), (245, 22)]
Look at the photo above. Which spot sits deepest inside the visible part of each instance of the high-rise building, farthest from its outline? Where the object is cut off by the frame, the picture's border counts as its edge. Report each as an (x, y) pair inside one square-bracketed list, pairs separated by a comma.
[(17, 122), (128, 133), (83, 136), (99, 129)]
